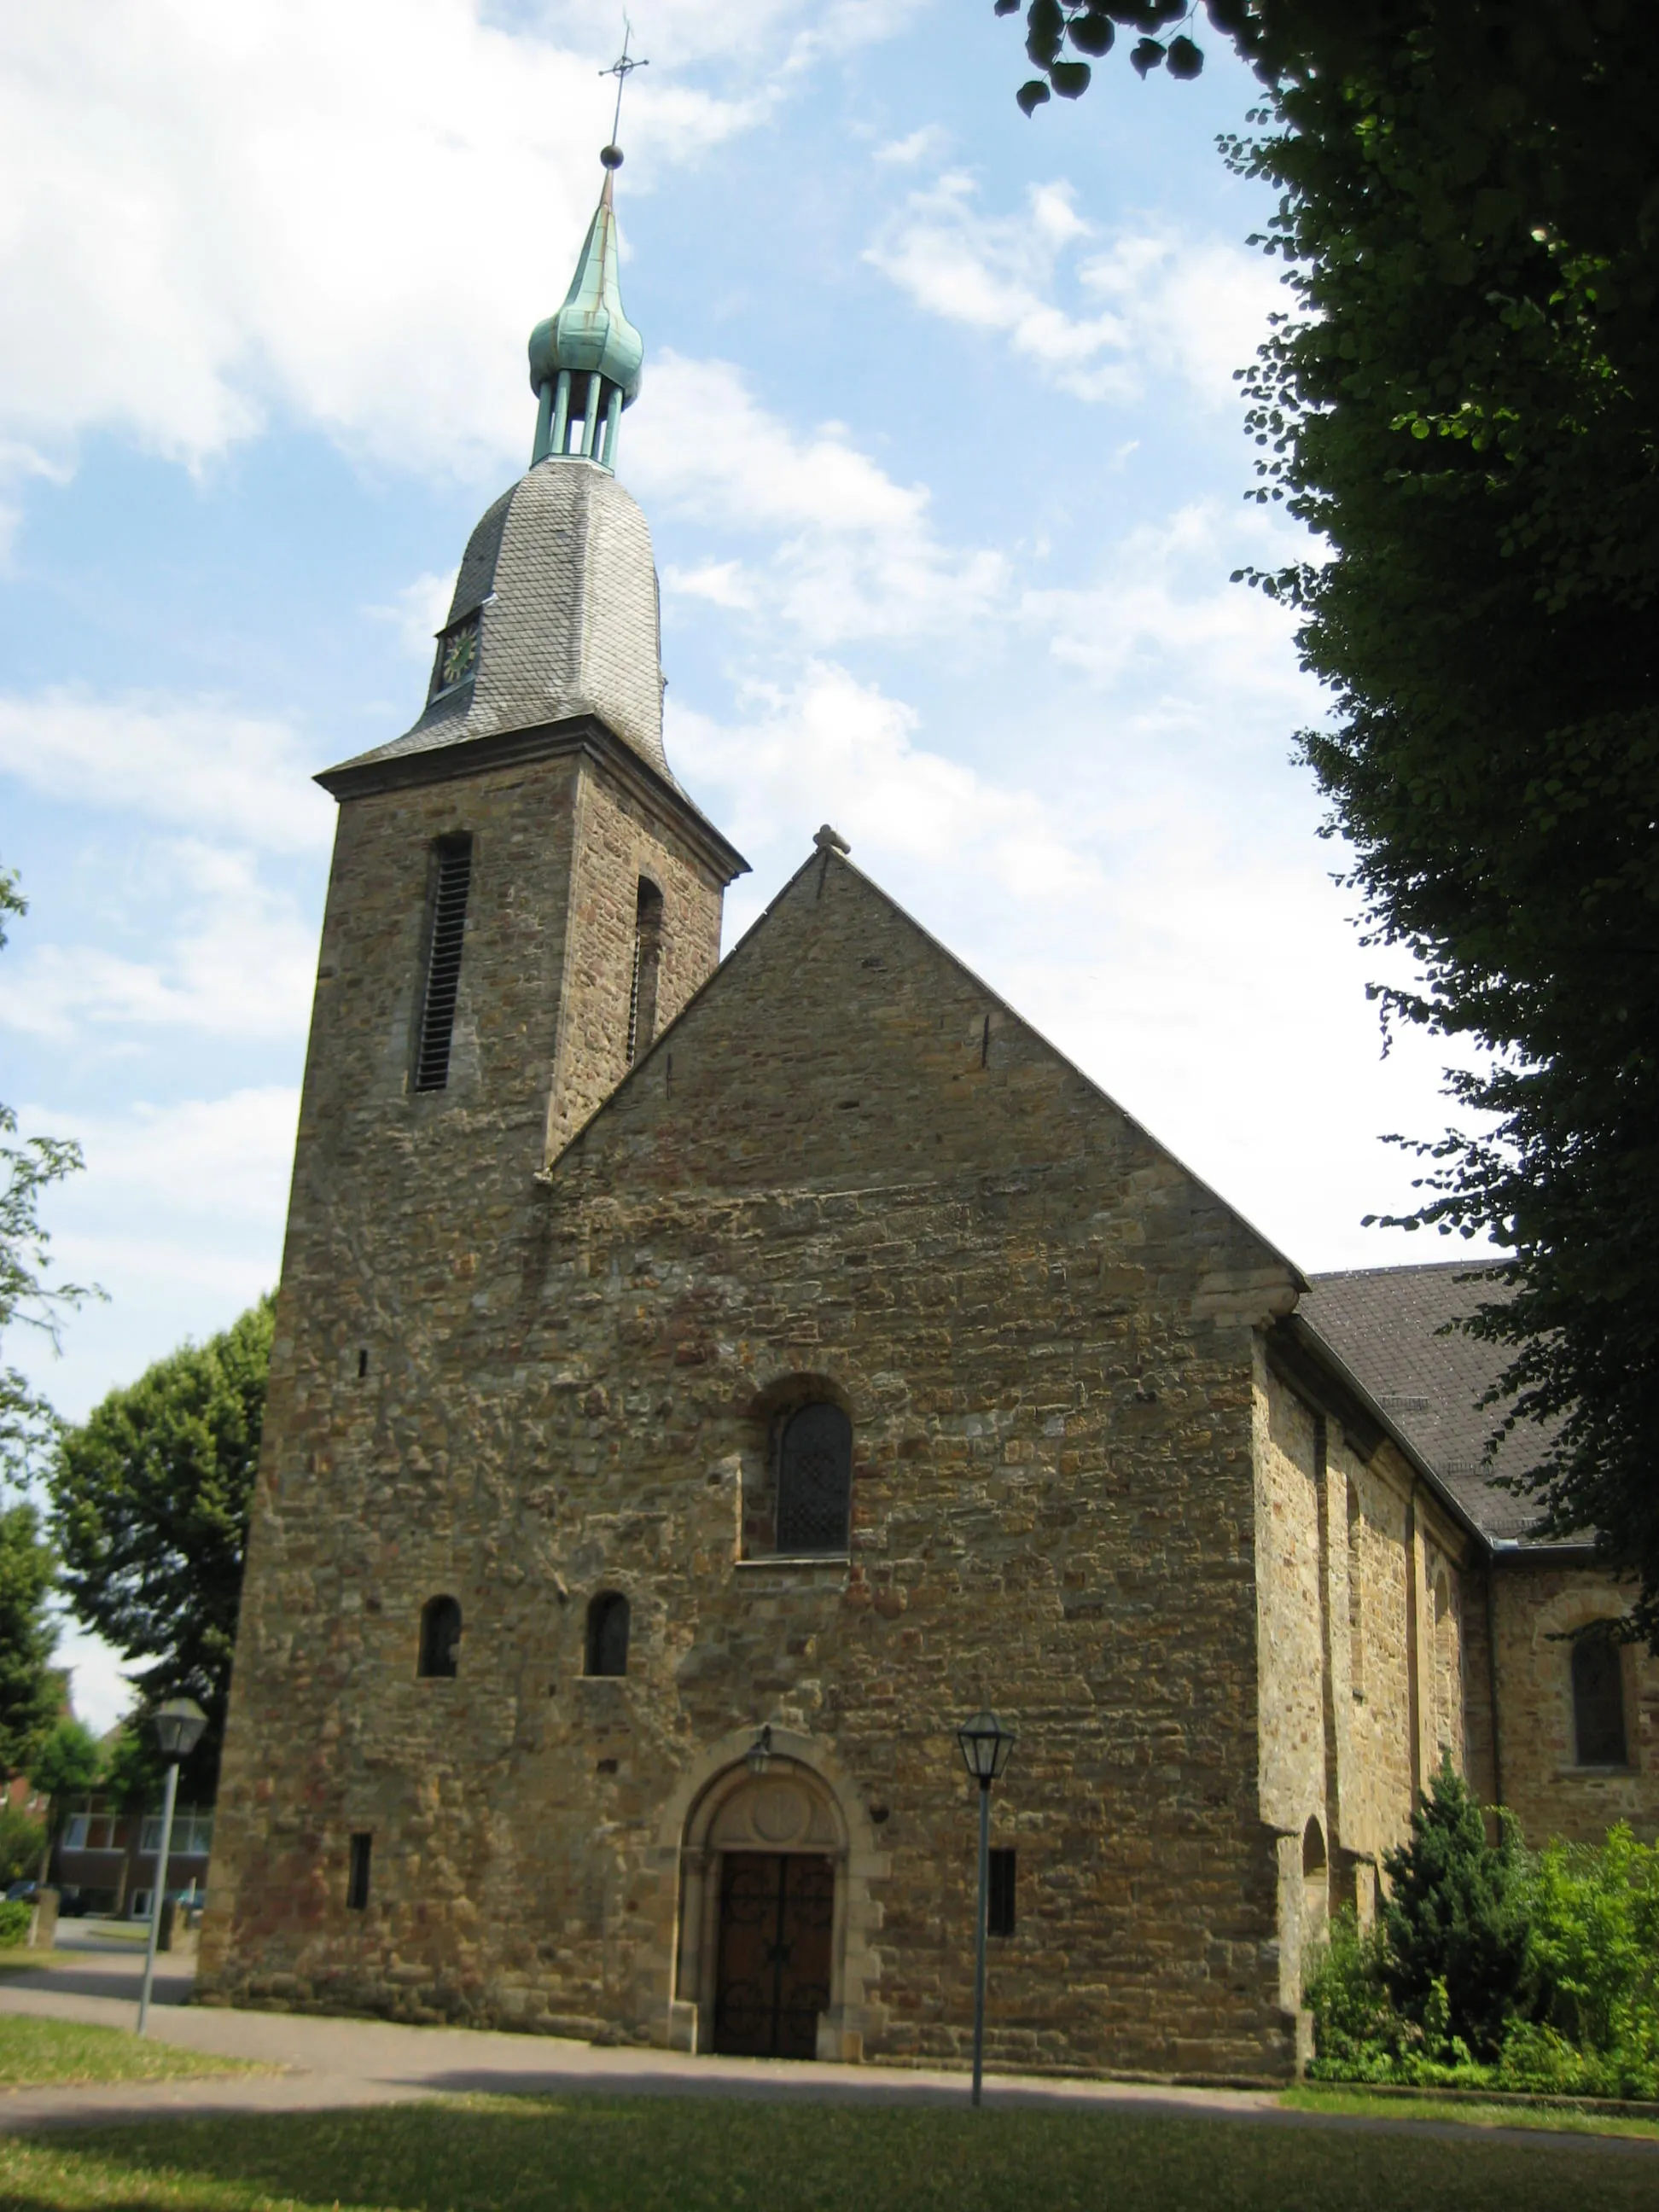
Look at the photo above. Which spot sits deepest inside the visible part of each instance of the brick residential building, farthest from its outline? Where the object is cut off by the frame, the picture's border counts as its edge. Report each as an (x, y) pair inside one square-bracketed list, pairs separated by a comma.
[(698, 1385)]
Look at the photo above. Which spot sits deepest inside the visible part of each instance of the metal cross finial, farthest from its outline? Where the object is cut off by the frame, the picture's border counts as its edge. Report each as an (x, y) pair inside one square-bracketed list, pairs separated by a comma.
[(621, 69)]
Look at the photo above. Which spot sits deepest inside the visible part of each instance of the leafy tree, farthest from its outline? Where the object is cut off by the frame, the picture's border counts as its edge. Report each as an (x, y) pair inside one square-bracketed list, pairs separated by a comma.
[(1594, 1955), (1465, 407), (150, 1499), (1455, 1924), (68, 1764), (29, 1691), (22, 1839), (26, 1170)]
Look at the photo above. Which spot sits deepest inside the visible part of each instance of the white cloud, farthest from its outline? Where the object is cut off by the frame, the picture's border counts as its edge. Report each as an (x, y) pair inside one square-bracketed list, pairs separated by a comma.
[(926, 144), (179, 1215), (1158, 304), (210, 213), (419, 613), (196, 761), (845, 551), (18, 463), (829, 746), (239, 961), (1162, 610)]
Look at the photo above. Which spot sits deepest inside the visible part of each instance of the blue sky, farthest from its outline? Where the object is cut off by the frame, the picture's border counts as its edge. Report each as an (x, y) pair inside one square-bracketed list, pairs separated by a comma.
[(944, 459)]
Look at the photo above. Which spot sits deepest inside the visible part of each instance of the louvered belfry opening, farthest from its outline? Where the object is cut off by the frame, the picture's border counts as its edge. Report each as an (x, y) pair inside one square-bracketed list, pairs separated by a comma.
[(647, 951), (453, 856)]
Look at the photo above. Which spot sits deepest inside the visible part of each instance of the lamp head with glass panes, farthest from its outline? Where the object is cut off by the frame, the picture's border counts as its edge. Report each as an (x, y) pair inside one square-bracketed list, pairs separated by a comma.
[(984, 1745), (178, 1725)]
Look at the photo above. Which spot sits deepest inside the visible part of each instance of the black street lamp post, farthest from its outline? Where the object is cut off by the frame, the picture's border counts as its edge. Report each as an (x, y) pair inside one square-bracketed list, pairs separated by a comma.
[(178, 1725), (984, 1745)]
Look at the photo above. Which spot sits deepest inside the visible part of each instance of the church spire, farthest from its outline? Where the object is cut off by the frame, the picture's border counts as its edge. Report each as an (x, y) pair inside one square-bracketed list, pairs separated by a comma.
[(585, 362)]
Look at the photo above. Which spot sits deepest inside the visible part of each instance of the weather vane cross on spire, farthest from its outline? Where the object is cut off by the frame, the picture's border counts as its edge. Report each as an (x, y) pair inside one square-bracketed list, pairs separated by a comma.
[(621, 69)]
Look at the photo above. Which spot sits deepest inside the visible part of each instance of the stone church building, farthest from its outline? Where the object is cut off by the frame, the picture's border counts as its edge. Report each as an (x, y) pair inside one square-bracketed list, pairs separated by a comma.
[(699, 1384)]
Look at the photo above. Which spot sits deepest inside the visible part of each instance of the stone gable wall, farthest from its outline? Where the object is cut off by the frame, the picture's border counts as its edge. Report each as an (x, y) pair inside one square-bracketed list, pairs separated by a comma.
[(845, 1159)]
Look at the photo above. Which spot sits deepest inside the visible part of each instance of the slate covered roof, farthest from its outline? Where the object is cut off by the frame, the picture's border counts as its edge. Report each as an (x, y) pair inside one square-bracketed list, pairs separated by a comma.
[(1384, 1324), (559, 575)]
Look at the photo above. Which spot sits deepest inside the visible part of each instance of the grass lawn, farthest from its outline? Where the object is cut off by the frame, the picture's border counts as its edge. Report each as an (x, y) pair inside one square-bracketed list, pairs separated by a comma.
[(18, 1959), (37, 2054), (695, 2154), (1554, 2119)]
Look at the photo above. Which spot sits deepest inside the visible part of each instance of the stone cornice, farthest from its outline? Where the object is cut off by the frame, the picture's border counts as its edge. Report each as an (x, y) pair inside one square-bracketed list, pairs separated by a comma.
[(581, 734)]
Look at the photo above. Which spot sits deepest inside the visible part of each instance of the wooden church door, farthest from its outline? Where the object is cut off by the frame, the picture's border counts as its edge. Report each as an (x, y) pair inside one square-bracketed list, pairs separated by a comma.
[(777, 1912)]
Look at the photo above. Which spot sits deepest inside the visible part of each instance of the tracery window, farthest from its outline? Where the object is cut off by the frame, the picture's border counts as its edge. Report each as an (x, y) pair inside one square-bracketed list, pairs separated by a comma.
[(815, 1480)]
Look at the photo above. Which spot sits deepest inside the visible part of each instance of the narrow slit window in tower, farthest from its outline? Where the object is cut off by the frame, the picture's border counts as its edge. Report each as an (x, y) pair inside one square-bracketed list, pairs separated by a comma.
[(453, 858), (440, 1640), (357, 1877), (999, 1895), (642, 987)]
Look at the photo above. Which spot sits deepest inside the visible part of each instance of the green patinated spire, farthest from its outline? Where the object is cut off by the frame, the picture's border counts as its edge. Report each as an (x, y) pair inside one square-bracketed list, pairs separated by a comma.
[(585, 362)]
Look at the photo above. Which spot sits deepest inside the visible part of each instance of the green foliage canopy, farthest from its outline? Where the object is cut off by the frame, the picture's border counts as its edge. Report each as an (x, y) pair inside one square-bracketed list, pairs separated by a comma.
[(26, 1171), (22, 1839), (1464, 405), (29, 1694), (150, 1499), (68, 1762)]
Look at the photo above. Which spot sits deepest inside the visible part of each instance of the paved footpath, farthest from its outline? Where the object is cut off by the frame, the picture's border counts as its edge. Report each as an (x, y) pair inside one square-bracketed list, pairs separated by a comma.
[(320, 2065)]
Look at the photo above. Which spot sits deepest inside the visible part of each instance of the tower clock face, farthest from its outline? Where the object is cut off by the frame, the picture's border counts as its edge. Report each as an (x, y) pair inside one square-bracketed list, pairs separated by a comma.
[(457, 653)]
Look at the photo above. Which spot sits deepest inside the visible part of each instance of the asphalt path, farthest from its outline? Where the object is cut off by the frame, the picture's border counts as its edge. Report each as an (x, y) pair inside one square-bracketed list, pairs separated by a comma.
[(318, 2064)]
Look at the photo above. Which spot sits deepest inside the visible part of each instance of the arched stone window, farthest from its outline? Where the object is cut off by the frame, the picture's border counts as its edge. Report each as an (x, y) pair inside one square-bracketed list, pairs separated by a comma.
[(607, 1633), (440, 1638), (1598, 1699), (647, 954), (815, 1480), (1445, 1665), (1316, 1884)]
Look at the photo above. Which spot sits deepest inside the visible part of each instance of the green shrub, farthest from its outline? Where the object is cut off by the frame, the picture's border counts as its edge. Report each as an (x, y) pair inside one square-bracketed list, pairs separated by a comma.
[(21, 1842), (15, 1920), (1455, 1927), (1593, 1958), (1358, 2035)]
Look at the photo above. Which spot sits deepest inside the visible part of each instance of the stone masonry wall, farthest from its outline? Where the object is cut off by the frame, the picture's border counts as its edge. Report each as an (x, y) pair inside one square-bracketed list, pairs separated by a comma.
[(845, 1161), (1537, 1604), (401, 1202), (1347, 1675)]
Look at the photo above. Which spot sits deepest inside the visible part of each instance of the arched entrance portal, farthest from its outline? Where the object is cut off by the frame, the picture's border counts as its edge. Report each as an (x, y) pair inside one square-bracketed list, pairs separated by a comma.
[(763, 1913)]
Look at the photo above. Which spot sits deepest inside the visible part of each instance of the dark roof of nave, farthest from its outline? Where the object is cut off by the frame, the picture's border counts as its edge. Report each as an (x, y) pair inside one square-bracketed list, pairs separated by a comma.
[(1393, 1329)]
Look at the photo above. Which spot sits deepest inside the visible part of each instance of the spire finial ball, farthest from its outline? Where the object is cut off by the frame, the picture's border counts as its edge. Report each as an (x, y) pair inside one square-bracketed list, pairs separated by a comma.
[(611, 156)]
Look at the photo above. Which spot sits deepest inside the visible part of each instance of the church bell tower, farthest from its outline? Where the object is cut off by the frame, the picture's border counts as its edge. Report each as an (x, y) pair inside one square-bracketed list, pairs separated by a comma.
[(522, 894)]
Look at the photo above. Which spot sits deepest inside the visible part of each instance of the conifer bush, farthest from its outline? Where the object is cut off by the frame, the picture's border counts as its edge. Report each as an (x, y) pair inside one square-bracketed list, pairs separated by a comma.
[(1493, 1967)]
